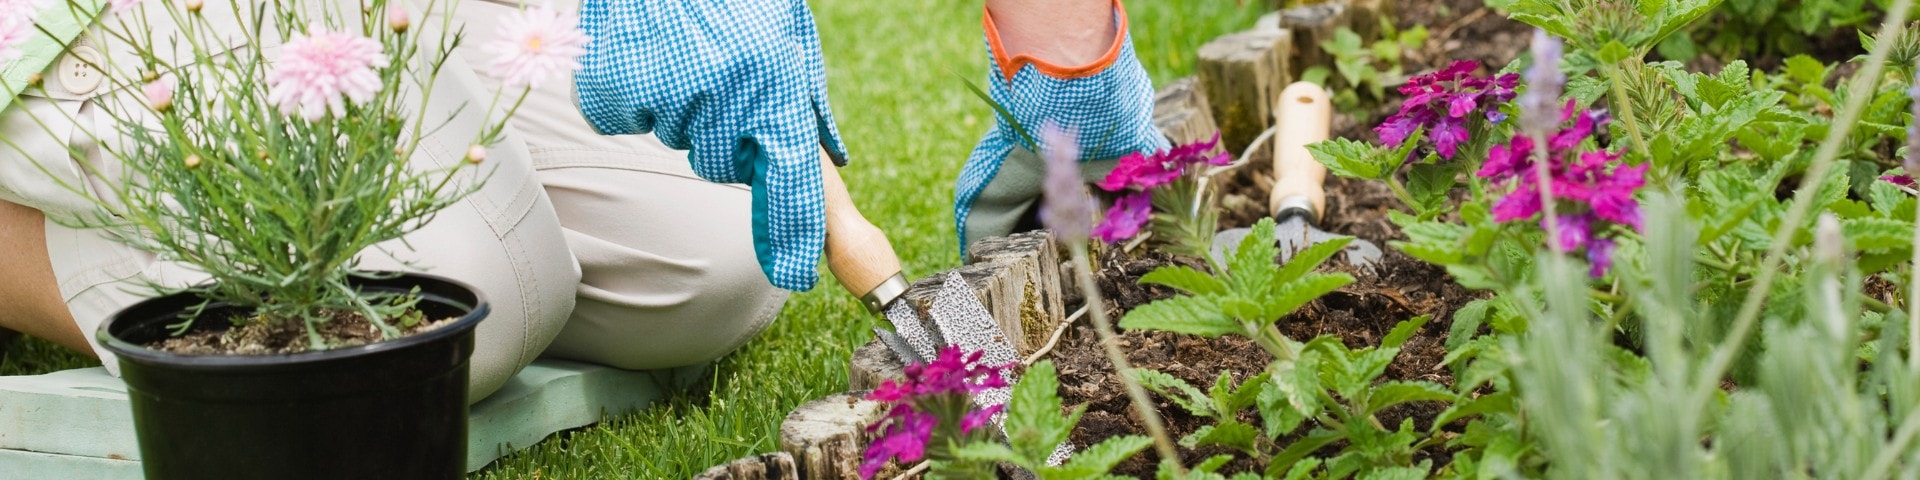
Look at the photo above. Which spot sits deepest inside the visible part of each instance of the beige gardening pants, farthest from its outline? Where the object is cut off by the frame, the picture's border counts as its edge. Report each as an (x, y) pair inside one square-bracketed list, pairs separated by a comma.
[(600, 249)]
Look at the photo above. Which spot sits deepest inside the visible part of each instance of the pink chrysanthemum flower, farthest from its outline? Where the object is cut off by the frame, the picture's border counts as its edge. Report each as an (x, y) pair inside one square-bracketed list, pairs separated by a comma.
[(1591, 189), (319, 72), (12, 33), (1137, 175), (536, 44), (932, 405)]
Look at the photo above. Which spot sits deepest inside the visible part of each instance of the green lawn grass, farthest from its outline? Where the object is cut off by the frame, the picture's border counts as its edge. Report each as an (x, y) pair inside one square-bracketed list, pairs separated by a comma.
[(897, 69)]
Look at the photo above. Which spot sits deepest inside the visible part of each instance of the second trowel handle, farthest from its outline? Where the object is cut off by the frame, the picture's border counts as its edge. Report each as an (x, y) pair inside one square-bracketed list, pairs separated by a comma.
[(858, 253), (1303, 116)]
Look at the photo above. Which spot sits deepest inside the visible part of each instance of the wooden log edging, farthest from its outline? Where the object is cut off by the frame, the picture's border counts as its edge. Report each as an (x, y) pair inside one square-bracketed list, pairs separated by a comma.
[(826, 437), (769, 466)]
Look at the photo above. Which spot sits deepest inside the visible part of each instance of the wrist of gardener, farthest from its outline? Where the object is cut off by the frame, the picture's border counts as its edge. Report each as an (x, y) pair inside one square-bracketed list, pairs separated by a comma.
[(1063, 39)]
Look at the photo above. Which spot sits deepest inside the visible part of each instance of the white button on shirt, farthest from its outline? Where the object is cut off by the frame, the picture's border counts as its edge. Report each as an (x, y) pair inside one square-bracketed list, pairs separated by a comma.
[(78, 71)]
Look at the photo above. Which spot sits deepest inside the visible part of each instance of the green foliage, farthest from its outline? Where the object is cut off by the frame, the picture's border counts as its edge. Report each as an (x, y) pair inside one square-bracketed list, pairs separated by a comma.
[(1331, 391), (1363, 67), (1747, 28), (1250, 294), (1035, 428)]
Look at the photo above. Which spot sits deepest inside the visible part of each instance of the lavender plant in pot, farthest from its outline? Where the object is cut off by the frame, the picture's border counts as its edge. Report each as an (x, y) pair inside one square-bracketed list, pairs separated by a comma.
[(271, 169)]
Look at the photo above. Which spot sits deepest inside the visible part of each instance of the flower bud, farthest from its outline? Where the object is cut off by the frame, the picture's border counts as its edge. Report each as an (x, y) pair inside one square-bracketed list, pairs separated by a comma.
[(34, 79), (400, 150), (193, 161), (194, 5), (159, 95), (476, 154), (397, 18)]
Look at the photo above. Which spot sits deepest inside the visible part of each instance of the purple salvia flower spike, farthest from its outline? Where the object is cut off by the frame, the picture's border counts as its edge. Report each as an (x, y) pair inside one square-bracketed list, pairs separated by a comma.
[(1066, 209), (1544, 84)]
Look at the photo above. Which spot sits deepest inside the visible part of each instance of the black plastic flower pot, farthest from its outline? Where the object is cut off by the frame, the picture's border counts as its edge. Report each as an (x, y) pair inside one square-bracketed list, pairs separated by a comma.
[(395, 409)]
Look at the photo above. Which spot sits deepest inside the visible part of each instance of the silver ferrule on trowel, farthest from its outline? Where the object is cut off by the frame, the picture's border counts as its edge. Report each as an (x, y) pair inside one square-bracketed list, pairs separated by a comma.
[(885, 293), (1292, 205)]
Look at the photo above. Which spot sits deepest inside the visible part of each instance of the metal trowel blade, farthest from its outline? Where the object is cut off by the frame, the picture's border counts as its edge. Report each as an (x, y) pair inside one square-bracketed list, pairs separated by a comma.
[(1292, 235)]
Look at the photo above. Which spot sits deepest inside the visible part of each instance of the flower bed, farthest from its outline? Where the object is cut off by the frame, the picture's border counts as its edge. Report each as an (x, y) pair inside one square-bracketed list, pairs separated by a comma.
[(1593, 260)]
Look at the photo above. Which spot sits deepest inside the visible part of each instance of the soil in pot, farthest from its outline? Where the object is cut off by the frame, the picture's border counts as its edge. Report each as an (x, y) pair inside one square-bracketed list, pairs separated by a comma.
[(345, 329)]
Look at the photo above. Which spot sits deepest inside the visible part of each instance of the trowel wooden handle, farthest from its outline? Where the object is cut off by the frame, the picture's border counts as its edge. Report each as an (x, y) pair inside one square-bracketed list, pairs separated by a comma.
[(857, 251), (1304, 116)]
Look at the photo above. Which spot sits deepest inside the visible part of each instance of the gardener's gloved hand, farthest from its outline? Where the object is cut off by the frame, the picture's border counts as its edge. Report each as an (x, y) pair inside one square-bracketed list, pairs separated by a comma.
[(739, 83), (1110, 103)]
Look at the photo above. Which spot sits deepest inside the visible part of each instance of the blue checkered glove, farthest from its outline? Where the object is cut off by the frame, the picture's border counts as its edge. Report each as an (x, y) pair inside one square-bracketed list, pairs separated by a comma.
[(739, 84), (1110, 103)]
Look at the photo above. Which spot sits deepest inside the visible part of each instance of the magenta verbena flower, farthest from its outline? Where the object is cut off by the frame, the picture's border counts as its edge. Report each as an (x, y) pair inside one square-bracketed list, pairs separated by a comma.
[(934, 398), (1900, 180), (1444, 102), (1136, 175), (320, 71), (1591, 189), (1125, 218)]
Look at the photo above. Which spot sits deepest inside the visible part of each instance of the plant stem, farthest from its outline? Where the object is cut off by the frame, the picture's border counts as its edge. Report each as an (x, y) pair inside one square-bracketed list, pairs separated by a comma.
[(1400, 191), (1889, 455), (1096, 308), (1843, 122), (1913, 292), (1624, 103)]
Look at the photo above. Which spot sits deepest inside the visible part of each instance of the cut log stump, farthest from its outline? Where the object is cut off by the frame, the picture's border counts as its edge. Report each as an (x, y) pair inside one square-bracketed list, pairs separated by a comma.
[(1182, 113), (825, 437), (1242, 74), (872, 365), (1311, 25), (771, 466)]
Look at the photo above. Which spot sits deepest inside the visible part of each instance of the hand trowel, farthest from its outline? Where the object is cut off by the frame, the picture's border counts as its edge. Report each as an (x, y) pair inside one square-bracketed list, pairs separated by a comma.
[(1304, 115), (863, 261)]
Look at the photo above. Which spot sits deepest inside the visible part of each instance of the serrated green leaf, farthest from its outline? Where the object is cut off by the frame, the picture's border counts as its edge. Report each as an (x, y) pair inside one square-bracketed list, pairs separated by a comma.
[(1398, 392), (1349, 158), (1097, 460), (1301, 448), (1429, 183), (1355, 370), (1494, 402), (1189, 315), (1179, 391), (1878, 234), (1404, 330), (1293, 295), (1034, 423), (1186, 279), (1250, 270), (1614, 52), (1227, 433), (1309, 258), (1466, 323), (1805, 70), (1230, 398), (1300, 470)]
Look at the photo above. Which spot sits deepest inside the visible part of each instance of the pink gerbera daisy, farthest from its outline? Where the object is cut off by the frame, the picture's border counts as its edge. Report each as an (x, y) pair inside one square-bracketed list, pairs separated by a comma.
[(316, 70), (535, 44)]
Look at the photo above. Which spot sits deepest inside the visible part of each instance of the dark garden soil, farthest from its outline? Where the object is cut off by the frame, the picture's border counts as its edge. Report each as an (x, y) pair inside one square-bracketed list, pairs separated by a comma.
[(346, 329), (1360, 314)]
